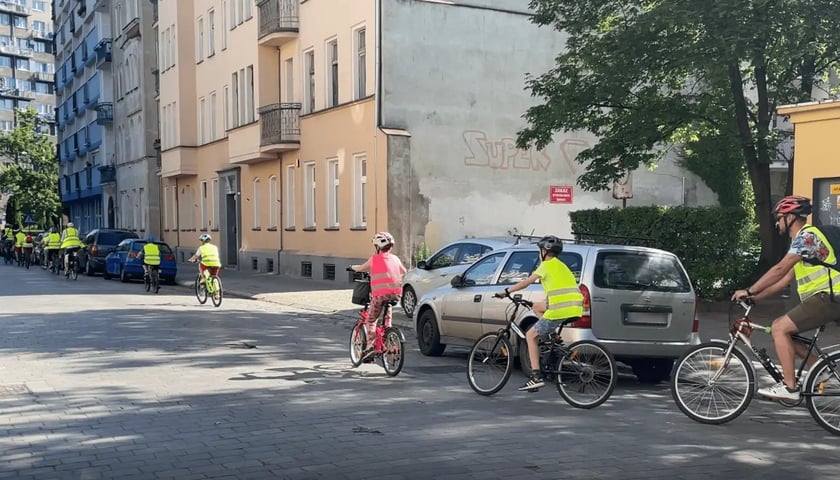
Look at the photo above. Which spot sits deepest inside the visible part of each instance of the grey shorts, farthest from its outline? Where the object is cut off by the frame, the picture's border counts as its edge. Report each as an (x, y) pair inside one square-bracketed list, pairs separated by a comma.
[(544, 327), (816, 311)]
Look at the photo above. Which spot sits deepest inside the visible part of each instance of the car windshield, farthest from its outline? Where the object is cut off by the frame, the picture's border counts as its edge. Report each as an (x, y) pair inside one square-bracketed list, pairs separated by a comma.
[(642, 271), (113, 238)]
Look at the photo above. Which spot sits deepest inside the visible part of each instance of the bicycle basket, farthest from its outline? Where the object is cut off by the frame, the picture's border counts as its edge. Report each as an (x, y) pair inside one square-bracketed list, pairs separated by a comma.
[(361, 292)]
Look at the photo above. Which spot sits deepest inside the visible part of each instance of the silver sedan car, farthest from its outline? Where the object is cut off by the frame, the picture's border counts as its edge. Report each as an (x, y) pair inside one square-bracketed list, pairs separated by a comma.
[(444, 264), (638, 303)]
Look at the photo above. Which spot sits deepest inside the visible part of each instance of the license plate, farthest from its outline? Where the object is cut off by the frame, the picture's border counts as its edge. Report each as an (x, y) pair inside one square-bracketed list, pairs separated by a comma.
[(646, 318)]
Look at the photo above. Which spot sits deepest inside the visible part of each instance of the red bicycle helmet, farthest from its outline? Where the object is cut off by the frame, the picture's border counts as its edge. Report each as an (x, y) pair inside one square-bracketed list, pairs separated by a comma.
[(794, 204)]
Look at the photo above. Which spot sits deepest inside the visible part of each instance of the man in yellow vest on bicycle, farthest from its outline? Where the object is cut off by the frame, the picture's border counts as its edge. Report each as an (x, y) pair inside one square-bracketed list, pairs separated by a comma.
[(150, 255), (208, 256), (814, 284), (53, 245), (70, 243), (563, 300), (20, 237)]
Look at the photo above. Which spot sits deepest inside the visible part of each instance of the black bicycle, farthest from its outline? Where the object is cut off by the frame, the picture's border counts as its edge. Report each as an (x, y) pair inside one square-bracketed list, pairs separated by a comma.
[(151, 279), (584, 372), (72, 266)]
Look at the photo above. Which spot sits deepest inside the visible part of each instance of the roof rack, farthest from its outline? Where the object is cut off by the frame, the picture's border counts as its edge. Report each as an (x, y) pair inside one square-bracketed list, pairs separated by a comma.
[(587, 237)]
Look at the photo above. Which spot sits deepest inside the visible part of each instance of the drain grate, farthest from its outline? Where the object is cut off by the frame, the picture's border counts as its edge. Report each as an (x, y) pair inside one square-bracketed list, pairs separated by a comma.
[(14, 389)]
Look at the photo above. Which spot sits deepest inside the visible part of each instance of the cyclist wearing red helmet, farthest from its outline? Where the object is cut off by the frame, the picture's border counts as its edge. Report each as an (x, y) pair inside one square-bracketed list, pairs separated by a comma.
[(814, 284), (386, 272)]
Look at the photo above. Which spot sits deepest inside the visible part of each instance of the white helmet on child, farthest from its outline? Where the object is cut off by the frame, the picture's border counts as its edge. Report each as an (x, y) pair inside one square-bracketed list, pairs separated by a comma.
[(383, 239), (205, 237)]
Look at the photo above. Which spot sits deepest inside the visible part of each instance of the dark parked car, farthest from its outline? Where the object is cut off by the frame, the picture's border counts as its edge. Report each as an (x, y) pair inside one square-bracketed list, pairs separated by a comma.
[(123, 261), (97, 244)]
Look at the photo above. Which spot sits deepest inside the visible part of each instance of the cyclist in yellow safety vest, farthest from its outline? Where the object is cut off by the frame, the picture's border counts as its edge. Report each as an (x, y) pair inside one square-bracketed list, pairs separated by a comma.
[(26, 246), (563, 300), (53, 245), (70, 243), (150, 255), (208, 256), (8, 240), (20, 237), (814, 285)]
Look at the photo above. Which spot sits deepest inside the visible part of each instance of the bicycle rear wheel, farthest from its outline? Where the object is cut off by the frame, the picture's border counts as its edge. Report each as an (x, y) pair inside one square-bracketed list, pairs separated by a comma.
[(393, 358), (586, 375), (708, 387), (489, 364), (156, 280), (358, 343), (824, 386), (147, 281), (217, 291), (200, 290), (74, 271)]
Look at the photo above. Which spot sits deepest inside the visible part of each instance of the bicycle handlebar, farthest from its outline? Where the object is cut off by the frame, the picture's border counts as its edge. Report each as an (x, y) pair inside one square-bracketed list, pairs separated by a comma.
[(516, 299)]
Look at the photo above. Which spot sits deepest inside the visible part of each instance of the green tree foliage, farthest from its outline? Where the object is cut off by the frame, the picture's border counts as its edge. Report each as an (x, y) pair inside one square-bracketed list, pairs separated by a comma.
[(31, 174), (707, 75)]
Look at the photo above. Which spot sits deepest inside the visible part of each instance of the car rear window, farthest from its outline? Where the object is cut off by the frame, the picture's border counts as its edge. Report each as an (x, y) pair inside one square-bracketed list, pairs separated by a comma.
[(164, 248), (640, 271), (114, 238)]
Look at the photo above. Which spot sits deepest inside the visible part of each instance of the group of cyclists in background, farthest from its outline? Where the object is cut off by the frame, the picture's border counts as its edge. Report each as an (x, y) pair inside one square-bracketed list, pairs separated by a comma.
[(25, 247)]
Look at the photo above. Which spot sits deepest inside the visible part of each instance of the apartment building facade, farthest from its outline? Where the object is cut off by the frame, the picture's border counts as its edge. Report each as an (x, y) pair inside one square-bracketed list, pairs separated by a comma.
[(85, 112), (335, 119), (27, 66), (135, 125)]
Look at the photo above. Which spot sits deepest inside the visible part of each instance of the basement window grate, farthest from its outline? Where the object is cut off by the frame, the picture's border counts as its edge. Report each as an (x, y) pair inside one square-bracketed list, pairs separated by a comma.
[(306, 269), (269, 265), (255, 263), (329, 271)]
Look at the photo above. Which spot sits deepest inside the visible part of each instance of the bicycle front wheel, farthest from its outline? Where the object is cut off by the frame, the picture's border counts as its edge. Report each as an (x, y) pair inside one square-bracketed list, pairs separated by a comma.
[(200, 290), (393, 357), (156, 281), (217, 291), (823, 385), (358, 343), (586, 375), (709, 387), (147, 281), (490, 364), (74, 271)]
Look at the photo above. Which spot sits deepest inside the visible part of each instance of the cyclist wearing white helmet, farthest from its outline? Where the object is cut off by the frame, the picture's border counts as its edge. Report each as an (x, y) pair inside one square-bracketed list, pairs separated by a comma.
[(208, 254), (386, 272)]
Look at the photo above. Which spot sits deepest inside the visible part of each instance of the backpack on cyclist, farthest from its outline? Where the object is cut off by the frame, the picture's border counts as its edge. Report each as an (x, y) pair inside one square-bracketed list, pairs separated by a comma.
[(29, 239), (832, 234)]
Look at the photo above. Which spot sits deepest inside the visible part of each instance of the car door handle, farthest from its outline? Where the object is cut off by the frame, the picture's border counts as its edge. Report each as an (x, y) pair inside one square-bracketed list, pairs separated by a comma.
[(477, 298)]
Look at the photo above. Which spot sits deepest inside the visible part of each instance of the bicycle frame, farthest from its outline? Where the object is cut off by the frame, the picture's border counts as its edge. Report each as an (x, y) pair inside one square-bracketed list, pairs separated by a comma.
[(741, 331)]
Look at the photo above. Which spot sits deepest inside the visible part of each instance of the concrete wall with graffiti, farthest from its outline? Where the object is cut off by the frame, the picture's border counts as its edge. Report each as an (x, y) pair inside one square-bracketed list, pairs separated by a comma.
[(453, 76)]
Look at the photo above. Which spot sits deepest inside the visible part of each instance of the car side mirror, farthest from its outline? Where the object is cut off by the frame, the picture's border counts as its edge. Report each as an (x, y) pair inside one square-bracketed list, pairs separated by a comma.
[(457, 281), (421, 264)]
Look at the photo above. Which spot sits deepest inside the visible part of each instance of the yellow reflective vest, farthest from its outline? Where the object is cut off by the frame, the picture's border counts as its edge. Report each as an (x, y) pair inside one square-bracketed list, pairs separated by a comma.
[(54, 241), (151, 254), (562, 293), (70, 238), (209, 255), (19, 238), (813, 279)]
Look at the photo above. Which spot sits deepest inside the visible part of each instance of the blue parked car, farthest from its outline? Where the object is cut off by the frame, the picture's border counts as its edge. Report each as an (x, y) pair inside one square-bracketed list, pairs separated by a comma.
[(123, 261)]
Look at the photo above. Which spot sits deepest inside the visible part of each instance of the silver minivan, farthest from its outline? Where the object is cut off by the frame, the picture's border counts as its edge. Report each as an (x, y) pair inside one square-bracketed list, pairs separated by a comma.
[(639, 303)]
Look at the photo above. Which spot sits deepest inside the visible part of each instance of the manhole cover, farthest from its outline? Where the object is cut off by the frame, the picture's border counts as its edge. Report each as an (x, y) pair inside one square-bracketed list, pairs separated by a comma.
[(15, 389)]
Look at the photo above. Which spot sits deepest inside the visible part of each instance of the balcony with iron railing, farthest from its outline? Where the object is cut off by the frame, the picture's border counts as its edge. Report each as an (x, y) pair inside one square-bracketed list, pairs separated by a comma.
[(279, 127), (43, 76), (104, 113), (103, 52), (279, 21)]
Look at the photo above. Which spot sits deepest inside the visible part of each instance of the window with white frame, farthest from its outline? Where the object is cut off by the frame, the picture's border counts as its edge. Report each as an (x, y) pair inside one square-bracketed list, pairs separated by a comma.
[(234, 98), (203, 205), (360, 67), (290, 196), (202, 121), (360, 191), (173, 208), (224, 24), (289, 80), (309, 195), (215, 202), (248, 9), (273, 202), (332, 73), (199, 40), (227, 109), (332, 193), (212, 119), (309, 82), (250, 111), (256, 202), (211, 32)]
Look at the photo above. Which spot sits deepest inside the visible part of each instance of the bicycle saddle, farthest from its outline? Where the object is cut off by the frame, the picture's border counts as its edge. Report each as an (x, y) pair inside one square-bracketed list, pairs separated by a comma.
[(392, 303)]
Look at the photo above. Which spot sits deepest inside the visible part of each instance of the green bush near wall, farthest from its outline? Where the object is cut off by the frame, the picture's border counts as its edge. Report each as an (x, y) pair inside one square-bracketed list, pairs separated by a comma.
[(717, 245)]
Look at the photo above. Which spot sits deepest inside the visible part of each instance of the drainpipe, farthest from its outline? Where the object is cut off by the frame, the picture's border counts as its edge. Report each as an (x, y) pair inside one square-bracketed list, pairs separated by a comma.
[(377, 109), (177, 216)]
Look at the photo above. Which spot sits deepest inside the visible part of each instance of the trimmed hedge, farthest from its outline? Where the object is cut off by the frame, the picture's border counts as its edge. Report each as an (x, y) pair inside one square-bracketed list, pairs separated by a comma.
[(716, 245)]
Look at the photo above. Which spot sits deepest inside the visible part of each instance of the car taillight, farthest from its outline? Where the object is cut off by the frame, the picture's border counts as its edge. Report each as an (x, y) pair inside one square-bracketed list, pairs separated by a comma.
[(94, 250), (169, 258), (695, 326), (585, 319), (132, 254)]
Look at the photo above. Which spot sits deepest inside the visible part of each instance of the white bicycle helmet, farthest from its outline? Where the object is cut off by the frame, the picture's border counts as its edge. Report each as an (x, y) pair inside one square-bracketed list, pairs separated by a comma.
[(205, 237), (383, 239)]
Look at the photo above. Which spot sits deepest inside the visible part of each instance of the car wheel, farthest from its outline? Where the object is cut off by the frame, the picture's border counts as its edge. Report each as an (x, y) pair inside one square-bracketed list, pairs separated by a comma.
[(123, 275), (409, 301), (428, 336), (89, 271), (652, 370), (106, 275)]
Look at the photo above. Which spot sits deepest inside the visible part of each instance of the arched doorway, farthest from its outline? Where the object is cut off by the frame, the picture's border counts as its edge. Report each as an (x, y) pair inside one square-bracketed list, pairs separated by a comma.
[(111, 213)]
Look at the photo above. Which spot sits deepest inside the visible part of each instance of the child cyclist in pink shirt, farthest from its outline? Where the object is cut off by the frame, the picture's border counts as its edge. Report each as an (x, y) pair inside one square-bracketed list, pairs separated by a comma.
[(386, 272)]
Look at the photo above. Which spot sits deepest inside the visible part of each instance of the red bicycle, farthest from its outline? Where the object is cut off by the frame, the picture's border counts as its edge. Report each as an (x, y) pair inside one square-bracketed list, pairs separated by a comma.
[(389, 343)]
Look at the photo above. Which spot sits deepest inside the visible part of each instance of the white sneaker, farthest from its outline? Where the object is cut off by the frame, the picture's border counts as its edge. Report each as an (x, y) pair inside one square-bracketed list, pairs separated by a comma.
[(779, 391)]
